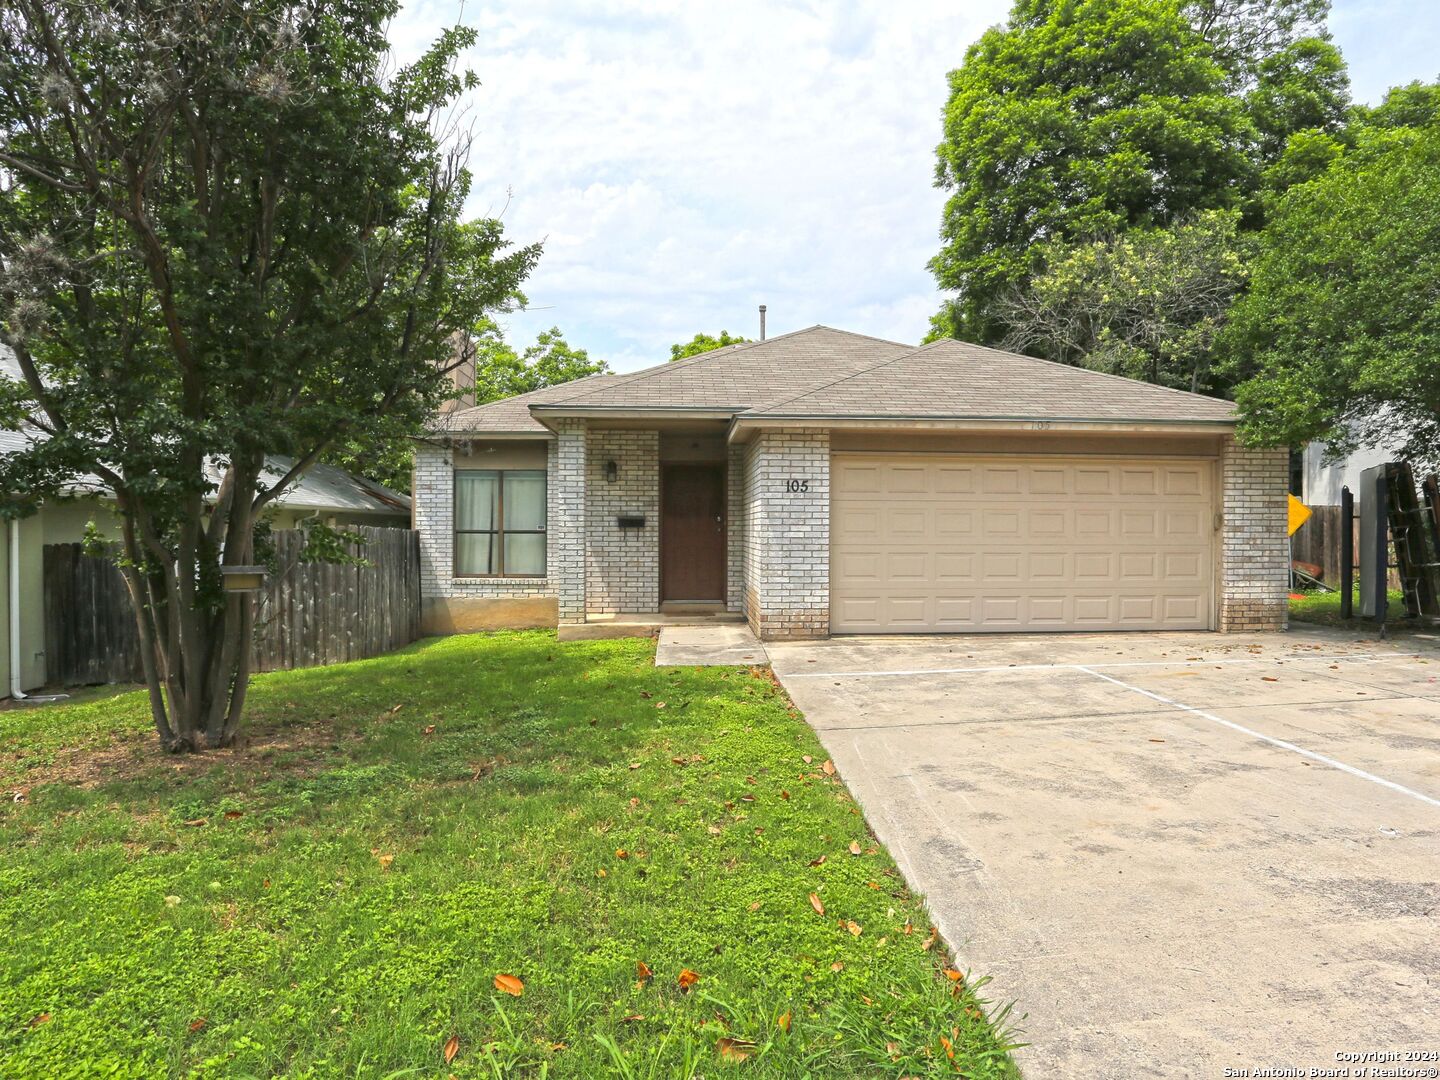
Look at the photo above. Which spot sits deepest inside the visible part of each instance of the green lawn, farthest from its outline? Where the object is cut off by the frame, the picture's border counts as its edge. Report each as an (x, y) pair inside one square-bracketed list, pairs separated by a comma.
[(338, 899), (1324, 608)]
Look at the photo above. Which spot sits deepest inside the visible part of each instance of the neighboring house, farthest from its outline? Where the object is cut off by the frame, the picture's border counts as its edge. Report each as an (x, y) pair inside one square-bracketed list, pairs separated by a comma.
[(1321, 480), (827, 482), (326, 493)]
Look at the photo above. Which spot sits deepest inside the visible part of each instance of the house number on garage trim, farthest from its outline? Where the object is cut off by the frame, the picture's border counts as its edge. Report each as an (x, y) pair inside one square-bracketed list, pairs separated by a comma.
[(797, 487)]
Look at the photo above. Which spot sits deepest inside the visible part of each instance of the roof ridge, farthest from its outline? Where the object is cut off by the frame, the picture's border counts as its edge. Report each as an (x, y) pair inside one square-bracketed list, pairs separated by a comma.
[(715, 354), (852, 375), (1092, 371)]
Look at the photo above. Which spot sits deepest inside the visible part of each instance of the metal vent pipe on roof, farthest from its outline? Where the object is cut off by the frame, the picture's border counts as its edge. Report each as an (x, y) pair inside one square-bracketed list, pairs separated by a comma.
[(762, 322)]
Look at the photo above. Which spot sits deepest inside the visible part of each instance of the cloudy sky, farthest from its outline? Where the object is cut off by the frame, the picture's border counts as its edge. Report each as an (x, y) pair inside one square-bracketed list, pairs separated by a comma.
[(684, 162)]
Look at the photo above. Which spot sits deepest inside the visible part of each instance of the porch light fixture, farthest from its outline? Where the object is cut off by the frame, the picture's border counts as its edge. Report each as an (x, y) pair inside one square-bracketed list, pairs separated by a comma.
[(242, 578), (612, 472)]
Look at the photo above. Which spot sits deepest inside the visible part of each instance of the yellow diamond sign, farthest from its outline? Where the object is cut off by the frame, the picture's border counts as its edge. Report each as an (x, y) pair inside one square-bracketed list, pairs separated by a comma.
[(1299, 514)]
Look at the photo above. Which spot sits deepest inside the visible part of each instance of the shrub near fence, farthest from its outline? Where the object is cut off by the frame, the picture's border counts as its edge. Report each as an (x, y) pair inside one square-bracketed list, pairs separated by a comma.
[(306, 615)]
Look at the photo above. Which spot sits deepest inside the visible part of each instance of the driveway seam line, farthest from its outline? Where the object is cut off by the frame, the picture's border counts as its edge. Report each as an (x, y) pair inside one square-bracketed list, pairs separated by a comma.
[(1363, 658), (1281, 743)]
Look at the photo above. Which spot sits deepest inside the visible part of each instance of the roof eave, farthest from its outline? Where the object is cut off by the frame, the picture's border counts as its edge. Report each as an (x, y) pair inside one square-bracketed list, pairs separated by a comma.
[(633, 412), (746, 423)]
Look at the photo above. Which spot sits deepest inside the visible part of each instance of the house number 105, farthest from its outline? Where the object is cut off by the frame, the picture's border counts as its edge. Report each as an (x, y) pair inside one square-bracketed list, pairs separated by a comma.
[(795, 487)]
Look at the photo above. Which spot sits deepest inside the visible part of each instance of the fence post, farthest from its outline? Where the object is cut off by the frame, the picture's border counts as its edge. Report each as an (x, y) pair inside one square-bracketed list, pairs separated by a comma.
[(1347, 552), (1382, 551)]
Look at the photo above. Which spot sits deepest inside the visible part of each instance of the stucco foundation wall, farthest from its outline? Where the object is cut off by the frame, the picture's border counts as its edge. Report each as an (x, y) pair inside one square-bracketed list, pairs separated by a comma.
[(622, 566), (787, 533), (1255, 548)]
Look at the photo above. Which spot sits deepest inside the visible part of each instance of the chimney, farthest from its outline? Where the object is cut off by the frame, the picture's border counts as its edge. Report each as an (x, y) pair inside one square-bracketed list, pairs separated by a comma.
[(762, 322)]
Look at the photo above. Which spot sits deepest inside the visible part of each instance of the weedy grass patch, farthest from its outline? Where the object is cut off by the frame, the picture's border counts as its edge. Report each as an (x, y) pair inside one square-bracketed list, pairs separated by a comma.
[(482, 856)]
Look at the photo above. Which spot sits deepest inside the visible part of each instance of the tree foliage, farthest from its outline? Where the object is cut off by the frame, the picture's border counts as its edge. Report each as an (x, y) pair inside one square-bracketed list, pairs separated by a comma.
[(1081, 118), (501, 372), (1147, 304), (703, 343), (228, 229), (1245, 34), (1340, 330)]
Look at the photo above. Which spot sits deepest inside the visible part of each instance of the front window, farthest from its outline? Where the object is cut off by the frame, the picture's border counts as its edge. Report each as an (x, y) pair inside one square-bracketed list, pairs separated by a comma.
[(500, 522)]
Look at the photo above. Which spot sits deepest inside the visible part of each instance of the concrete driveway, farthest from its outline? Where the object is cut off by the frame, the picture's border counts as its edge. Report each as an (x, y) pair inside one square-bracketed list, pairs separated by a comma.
[(1176, 853)]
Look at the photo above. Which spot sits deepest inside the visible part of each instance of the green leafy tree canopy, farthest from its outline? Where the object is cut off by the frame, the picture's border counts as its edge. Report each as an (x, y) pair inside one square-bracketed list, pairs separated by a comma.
[(228, 229), (1340, 329), (1081, 118)]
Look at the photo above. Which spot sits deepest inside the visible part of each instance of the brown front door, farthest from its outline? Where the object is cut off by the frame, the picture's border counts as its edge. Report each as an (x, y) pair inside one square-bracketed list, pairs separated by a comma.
[(692, 533)]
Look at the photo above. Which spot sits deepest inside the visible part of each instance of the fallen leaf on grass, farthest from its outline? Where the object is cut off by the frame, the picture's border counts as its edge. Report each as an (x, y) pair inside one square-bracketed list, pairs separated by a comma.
[(747, 797), (806, 758), (953, 975), (196, 1025), (642, 969), (755, 906), (784, 1022), (428, 729), (509, 984), (621, 853), (687, 978), (634, 764), (172, 901), (231, 815), (784, 795), (383, 858), (818, 862), (853, 927), (43, 1018), (909, 929), (601, 873), (632, 1018), (854, 847), (396, 708), (196, 823), (828, 767), (452, 1047), (837, 966), (929, 942), (732, 1049), (816, 904)]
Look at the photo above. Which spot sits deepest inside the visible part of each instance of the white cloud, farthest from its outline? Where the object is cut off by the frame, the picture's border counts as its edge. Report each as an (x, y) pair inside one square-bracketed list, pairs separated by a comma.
[(685, 162)]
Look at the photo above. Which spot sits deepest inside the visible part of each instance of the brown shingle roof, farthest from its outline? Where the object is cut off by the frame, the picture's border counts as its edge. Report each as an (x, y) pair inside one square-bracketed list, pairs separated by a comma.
[(953, 379), (511, 415), (824, 373)]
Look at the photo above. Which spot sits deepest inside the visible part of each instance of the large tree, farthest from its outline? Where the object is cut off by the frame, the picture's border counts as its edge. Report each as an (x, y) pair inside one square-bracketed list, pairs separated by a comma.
[(228, 228), (1340, 329), (501, 372), (1080, 118), (1147, 304)]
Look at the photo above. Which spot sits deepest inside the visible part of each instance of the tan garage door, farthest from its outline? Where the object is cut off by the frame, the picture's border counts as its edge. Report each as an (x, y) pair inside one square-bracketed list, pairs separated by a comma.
[(950, 542)]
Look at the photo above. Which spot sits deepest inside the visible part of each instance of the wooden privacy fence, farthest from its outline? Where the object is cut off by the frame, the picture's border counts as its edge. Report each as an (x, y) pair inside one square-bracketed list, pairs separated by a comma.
[(306, 615)]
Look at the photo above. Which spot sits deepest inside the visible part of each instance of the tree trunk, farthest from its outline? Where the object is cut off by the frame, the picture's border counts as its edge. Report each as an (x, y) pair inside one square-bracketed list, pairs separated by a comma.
[(195, 636)]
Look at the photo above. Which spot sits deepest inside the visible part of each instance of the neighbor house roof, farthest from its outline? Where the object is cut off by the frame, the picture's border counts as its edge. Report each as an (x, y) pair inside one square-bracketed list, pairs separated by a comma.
[(827, 374), (321, 488)]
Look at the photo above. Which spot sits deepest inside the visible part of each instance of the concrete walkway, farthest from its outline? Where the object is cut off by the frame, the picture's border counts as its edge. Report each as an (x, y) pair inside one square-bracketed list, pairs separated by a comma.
[(714, 645), (1176, 853)]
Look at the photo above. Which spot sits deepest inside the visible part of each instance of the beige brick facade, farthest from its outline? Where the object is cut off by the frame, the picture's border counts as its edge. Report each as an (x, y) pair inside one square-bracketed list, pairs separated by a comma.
[(622, 566), (778, 532), (787, 533), (1255, 547)]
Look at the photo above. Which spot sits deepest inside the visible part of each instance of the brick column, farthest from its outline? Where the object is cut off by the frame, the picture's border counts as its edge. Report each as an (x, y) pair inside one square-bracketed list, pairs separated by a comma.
[(622, 566), (433, 516), (566, 519), (735, 529), (787, 528), (1255, 550)]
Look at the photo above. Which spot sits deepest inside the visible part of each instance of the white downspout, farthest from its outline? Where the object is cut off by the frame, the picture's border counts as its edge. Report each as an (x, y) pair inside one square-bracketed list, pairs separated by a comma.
[(15, 691)]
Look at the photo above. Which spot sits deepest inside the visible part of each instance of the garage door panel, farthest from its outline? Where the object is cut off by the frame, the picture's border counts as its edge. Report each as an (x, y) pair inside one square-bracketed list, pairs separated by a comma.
[(939, 542)]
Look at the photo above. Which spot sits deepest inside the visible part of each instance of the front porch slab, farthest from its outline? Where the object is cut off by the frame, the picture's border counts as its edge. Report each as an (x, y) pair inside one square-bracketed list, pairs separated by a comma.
[(710, 645)]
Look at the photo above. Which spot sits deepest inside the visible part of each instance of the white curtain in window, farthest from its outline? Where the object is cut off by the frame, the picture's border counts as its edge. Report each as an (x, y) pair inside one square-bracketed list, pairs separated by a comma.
[(524, 500), (477, 499)]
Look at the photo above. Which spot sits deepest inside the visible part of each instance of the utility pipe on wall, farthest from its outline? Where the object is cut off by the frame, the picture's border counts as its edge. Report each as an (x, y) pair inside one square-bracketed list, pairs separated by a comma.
[(15, 691)]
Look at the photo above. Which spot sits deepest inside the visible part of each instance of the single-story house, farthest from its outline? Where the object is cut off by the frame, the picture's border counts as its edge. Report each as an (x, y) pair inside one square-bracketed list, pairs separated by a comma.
[(327, 493), (825, 482)]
